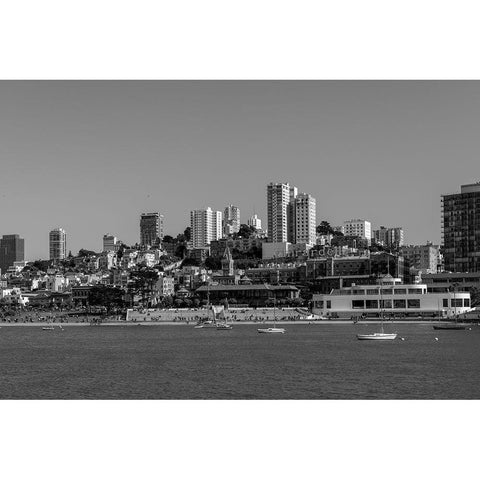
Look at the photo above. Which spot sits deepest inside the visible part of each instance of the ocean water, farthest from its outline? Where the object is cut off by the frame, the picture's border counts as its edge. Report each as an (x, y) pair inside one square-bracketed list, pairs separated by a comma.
[(180, 362)]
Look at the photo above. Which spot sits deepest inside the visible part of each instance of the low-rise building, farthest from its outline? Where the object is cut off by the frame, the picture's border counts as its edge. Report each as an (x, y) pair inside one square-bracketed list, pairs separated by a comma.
[(390, 297)]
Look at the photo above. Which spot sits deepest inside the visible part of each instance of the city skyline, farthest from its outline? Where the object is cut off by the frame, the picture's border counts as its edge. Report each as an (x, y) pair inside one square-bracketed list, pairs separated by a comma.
[(92, 156)]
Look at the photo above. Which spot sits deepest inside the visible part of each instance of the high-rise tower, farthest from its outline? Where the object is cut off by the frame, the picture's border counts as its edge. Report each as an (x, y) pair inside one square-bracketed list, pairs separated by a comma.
[(58, 244), (151, 229)]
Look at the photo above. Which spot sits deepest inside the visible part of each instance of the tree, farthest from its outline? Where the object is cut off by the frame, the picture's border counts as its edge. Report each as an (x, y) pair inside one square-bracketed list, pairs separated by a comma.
[(142, 281), (85, 253), (188, 234), (324, 228), (245, 231), (213, 263), (168, 239), (190, 262), (106, 296)]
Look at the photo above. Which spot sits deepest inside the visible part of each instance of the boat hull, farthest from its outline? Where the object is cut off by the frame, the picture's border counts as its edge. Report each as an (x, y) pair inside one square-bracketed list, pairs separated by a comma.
[(377, 336), (271, 330)]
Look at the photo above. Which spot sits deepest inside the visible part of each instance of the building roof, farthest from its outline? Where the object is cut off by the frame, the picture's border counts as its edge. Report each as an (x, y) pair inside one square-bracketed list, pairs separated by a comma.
[(213, 288)]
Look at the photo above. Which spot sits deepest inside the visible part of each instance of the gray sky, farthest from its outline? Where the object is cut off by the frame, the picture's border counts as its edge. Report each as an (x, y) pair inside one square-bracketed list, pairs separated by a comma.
[(91, 156)]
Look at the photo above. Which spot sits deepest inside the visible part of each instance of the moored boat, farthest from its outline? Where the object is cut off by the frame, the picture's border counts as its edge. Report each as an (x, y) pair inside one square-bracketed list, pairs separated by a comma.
[(271, 330), (377, 336)]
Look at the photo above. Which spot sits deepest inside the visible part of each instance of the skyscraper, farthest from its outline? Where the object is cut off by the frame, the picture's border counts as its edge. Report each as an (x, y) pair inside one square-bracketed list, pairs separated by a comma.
[(58, 244), (151, 229), (305, 215), (461, 229), (206, 225), (231, 220), (280, 212), (12, 249)]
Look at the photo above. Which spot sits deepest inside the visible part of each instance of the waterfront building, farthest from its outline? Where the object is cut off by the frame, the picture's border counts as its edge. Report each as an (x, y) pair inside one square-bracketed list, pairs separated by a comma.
[(390, 297), (358, 228), (254, 222), (461, 229), (151, 228), (12, 249), (206, 225), (305, 215), (392, 237), (424, 258), (280, 212), (231, 220), (58, 244)]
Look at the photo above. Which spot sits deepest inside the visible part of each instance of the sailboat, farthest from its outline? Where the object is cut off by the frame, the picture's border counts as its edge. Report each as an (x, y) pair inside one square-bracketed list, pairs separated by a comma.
[(202, 323), (378, 335), (219, 313), (273, 329)]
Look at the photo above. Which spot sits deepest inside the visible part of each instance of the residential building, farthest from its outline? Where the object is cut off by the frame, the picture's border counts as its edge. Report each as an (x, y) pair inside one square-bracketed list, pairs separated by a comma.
[(305, 215), (461, 229), (110, 243), (358, 228), (12, 249), (231, 220), (206, 225), (165, 286), (280, 212), (58, 244), (389, 237), (254, 222), (151, 228), (424, 258)]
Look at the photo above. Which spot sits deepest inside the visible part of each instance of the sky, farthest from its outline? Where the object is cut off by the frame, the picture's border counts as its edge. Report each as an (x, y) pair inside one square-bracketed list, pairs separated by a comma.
[(91, 156)]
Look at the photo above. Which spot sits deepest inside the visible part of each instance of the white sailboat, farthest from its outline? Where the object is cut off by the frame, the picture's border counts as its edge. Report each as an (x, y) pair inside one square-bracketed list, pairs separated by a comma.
[(378, 335), (273, 329), (219, 314)]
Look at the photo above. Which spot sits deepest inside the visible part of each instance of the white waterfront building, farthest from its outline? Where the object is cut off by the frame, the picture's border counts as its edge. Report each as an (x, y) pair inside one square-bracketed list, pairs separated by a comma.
[(391, 297)]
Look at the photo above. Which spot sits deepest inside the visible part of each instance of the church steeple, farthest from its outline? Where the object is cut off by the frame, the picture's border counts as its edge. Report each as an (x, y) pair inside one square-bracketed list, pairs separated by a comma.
[(227, 263)]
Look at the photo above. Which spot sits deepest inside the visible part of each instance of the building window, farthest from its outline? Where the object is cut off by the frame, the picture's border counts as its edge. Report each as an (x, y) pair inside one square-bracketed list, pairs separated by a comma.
[(466, 302), (445, 302), (399, 304), (371, 303), (400, 291), (413, 303), (386, 303), (456, 302), (358, 304), (329, 304)]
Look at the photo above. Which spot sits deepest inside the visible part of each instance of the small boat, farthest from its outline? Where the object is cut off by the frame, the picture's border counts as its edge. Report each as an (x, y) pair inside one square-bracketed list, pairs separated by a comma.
[(224, 326), (206, 324), (271, 330), (377, 336), (48, 328)]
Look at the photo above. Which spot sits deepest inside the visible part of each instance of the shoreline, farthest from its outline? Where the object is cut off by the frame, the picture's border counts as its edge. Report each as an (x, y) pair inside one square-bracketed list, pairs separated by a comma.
[(192, 324)]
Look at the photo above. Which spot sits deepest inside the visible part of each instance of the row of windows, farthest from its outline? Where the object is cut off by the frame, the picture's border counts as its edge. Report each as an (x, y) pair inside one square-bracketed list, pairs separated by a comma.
[(395, 303)]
